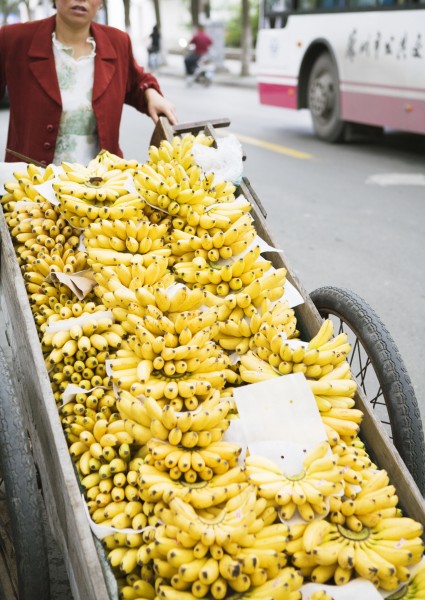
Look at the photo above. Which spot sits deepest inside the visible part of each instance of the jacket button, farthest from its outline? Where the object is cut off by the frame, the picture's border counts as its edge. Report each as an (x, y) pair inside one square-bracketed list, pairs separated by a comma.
[(50, 127), (47, 145), (43, 162)]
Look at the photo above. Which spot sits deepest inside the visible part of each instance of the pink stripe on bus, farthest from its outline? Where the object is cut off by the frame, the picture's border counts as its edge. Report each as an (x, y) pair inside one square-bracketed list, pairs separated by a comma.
[(278, 95), (400, 88), (385, 111), (371, 109)]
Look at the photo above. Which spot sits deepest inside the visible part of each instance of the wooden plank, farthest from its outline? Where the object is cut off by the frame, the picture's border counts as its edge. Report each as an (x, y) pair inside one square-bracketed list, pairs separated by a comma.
[(60, 487), (163, 131), (198, 126)]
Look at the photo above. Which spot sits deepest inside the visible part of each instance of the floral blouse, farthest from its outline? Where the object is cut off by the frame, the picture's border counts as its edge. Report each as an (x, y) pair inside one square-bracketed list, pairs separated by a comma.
[(77, 137)]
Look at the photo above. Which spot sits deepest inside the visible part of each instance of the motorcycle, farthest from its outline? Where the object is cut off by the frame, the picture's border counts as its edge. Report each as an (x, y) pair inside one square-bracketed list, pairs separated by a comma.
[(203, 73)]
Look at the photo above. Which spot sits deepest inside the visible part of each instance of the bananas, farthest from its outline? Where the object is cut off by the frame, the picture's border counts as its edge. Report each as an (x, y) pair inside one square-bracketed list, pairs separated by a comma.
[(317, 359), (372, 553), (415, 588), (180, 286), (304, 492)]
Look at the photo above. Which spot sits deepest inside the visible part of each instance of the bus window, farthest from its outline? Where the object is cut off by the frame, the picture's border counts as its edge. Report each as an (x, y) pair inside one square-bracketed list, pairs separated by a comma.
[(362, 3)]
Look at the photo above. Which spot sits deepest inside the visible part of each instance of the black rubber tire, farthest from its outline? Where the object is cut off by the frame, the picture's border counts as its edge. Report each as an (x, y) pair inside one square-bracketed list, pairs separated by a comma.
[(23, 497), (326, 116), (389, 369)]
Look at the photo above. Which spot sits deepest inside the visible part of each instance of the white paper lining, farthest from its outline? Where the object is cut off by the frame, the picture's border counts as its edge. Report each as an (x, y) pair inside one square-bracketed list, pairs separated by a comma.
[(353, 590), (102, 531)]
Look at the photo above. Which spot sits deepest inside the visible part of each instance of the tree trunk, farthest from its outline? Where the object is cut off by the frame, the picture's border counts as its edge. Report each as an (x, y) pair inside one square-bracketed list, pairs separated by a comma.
[(207, 8), (105, 5), (194, 11), (157, 13), (127, 14), (246, 39)]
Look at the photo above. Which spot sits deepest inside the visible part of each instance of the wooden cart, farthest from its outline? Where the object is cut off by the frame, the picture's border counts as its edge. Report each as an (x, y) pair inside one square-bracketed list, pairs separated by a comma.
[(89, 575)]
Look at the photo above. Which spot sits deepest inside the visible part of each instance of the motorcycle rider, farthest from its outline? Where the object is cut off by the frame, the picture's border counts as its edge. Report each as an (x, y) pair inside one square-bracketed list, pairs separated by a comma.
[(201, 42)]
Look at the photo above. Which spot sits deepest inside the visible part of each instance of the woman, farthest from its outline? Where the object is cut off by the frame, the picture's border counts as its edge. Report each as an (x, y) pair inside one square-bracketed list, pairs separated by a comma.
[(154, 48), (68, 79)]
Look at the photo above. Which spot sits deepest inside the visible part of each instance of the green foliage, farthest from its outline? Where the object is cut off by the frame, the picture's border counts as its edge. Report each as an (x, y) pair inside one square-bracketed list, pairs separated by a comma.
[(234, 25)]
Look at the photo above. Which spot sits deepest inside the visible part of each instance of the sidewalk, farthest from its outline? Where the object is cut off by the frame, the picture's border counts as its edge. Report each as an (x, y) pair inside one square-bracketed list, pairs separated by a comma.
[(230, 76)]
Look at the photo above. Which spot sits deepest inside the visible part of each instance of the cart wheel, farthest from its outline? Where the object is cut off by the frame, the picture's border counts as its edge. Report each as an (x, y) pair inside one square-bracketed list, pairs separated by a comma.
[(22, 499), (379, 369)]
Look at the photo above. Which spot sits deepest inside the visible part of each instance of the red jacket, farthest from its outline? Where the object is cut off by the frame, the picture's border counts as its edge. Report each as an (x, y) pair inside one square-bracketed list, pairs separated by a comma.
[(27, 67)]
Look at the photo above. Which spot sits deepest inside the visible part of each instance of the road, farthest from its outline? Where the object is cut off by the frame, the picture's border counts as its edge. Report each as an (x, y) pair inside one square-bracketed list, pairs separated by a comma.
[(336, 224)]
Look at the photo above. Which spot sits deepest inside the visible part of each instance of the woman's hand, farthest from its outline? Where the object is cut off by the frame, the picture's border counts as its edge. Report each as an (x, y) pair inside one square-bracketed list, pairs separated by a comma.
[(158, 106)]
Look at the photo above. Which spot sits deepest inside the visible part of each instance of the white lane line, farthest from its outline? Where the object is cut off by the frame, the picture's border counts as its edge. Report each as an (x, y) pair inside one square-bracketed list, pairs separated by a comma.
[(396, 179)]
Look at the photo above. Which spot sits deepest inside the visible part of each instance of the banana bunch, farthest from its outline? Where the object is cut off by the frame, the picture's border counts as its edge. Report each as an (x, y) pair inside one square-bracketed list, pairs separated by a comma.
[(112, 161), (221, 216), (150, 279), (235, 546), (223, 279), (253, 369), (240, 333), (356, 465), (377, 499), (157, 485), (76, 336), (80, 213), (68, 261), (173, 193), (88, 193), (251, 301), (216, 525), (284, 586), (134, 236), (98, 403), (214, 459), (86, 370), (171, 364), (380, 554), (186, 429), (414, 589), (38, 228), (304, 492), (136, 587), (213, 244), (56, 301), (337, 390), (22, 189), (172, 182), (297, 357), (94, 183)]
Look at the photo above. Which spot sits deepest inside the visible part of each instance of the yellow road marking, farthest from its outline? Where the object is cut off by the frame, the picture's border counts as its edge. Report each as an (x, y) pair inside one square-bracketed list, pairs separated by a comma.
[(274, 147)]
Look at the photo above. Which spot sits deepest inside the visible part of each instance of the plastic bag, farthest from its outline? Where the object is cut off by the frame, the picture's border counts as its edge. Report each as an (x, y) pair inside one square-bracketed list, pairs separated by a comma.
[(225, 161)]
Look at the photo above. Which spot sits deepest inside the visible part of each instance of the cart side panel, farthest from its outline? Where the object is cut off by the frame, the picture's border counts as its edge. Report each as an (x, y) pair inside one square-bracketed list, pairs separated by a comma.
[(60, 487)]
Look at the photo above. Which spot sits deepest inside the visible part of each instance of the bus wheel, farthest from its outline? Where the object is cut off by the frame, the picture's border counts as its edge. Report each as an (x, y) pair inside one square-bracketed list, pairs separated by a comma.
[(379, 370), (323, 100)]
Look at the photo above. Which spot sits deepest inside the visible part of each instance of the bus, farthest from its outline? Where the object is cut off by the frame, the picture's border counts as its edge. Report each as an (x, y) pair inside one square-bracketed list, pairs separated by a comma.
[(347, 61)]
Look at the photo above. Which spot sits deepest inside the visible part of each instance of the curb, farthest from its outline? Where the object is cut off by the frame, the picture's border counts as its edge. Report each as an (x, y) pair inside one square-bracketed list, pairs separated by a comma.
[(228, 79)]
